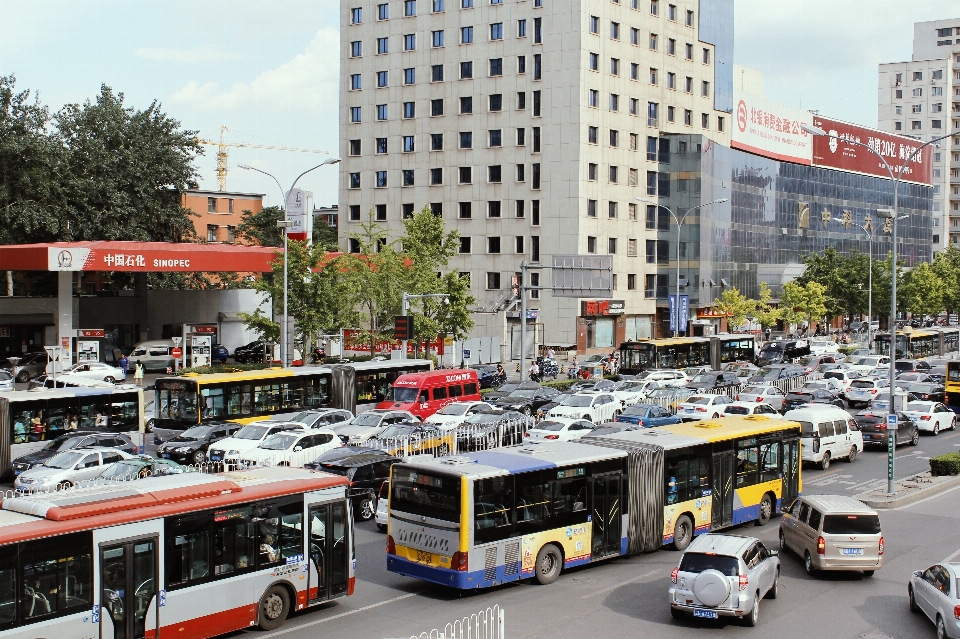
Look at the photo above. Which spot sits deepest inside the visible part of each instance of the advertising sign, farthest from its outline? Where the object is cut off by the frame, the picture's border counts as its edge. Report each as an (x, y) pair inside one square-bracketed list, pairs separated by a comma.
[(176, 258), (200, 350), (672, 300), (403, 327), (205, 329), (684, 313), (839, 152), (771, 130), (297, 212), (91, 332), (602, 308)]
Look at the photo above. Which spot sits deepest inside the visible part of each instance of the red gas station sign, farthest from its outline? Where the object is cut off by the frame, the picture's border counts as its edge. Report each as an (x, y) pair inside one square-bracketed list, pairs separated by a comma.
[(205, 329), (91, 332)]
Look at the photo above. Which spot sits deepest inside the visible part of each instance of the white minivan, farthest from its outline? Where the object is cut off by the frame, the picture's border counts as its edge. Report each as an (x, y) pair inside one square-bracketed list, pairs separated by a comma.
[(154, 355), (826, 433)]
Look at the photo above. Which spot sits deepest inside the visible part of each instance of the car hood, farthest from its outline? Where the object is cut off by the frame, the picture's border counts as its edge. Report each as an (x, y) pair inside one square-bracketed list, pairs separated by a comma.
[(444, 420), (568, 410), (352, 431), (44, 474), (231, 443), (36, 456)]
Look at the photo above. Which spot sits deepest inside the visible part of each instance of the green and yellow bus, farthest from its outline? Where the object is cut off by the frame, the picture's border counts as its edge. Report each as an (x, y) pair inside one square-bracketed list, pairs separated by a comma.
[(682, 352), (485, 518)]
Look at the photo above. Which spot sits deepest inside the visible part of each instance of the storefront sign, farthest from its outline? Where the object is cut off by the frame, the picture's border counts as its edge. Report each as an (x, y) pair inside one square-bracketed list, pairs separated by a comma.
[(710, 313), (771, 130), (297, 213), (177, 258), (602, 307), (842, 153)]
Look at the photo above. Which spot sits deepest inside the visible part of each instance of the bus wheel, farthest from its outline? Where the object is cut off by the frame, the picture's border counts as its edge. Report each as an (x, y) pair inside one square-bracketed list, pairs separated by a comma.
[(549, 563), (274, 607), (766, 510), (683, 533)]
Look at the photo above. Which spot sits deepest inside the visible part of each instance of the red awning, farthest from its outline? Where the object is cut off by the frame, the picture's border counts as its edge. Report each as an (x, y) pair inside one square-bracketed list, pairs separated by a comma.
[(144, 257)]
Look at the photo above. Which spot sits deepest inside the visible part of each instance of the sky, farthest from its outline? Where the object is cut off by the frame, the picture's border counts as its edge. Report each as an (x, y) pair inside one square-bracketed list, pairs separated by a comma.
[(267, 69)]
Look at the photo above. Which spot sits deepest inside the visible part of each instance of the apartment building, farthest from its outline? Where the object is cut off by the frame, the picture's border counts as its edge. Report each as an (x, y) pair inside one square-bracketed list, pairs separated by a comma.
[(218, 213), (921, 98), (530, 126)]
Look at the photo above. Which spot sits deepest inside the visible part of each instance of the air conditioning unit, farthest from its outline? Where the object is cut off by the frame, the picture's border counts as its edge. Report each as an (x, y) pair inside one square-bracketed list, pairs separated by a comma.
[(682, 281), (724, 282)]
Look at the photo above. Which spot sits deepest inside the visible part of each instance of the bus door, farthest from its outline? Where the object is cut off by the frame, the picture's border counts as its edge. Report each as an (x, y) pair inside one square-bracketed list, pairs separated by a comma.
[(329, 543), (724, 471), (606, 517), (791, 471), (128, 583)]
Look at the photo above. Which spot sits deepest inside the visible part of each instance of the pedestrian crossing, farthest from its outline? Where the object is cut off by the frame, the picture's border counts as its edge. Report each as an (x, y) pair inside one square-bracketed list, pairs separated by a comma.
[(845, 482)]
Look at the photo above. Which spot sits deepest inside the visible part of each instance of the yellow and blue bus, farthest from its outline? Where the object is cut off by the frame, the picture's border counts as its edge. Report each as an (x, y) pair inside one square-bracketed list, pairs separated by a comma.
[(245, 396), (922, 342), (478, 520)]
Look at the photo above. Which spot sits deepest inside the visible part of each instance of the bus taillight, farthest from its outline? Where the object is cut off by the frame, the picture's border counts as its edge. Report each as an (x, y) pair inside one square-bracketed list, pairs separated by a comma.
[(459, 561), (391, 546)]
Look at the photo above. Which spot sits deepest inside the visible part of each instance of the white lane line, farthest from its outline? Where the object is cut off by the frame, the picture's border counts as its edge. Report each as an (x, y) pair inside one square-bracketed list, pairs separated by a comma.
[(342, 614), (951, 557), (950, 490), (622, 583)]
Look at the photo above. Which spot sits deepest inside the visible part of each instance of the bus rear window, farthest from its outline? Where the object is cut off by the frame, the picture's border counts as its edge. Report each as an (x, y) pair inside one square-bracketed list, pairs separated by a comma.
[(698, 562), (430, 495), (851, 524)]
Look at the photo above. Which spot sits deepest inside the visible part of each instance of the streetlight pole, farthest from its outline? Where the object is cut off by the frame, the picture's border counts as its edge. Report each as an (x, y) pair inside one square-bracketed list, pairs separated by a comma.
[(406, 297), (890, 214), (679, 222), (286, 224)]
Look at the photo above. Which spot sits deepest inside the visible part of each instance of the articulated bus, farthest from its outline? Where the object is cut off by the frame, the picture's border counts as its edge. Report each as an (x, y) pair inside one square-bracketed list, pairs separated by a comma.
[(484, 518), (952, 386), (919, 343), (30, 419), (246, 396), (187, 556), (681, 352)]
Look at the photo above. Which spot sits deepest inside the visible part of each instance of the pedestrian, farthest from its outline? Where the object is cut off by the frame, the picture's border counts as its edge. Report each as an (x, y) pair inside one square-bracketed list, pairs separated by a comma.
[(550, 353), (138, 373), (124, 364), (768, 332)]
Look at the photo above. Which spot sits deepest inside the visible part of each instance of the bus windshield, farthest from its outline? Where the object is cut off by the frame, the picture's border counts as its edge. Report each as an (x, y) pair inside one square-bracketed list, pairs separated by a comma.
[(176, 400), (429, 495), (402, 395)]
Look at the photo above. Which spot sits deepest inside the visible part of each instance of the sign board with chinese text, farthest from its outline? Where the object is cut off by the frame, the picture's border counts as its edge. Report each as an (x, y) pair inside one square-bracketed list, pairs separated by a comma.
[(602, 308), (205, 329), (770, 129), (672, 303), (684, 314), (299, 211), (582, 276), (91, 332), (839, 153)]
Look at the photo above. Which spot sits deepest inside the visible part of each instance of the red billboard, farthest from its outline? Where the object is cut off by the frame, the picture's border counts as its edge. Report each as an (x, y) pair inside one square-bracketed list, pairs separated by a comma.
[(838, 152)]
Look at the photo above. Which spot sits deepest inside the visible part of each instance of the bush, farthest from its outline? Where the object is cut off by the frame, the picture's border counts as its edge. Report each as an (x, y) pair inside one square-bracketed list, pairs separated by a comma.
[(944, 465), (224, 368)]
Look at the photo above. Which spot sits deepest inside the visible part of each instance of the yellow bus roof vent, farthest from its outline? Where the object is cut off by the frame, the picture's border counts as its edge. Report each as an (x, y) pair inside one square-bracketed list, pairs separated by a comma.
[(757, 418), (708, 424)]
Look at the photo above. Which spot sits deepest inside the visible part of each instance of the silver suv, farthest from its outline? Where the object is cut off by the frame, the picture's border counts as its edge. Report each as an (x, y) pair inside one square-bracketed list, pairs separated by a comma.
[(724, 576)]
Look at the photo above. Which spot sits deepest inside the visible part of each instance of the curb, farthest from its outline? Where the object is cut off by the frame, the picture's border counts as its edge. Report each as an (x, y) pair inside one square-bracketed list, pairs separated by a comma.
[(909, 491)]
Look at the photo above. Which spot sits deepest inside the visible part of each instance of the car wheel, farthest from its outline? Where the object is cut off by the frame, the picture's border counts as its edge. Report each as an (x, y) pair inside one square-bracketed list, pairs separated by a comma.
[(365, 509), (23, 377), (677, 614), (783, 543), (852, 455), (808, 564), (109, 379), (916, 437), (913, 602), (549, 563), (526, 411), (274, 608), (825, 462), (936, 429), (941, 629), (868, 573), (682, 533), (199, 457), (772, 593), (64, 485), (754, 616), (766, 511), (953, 423)]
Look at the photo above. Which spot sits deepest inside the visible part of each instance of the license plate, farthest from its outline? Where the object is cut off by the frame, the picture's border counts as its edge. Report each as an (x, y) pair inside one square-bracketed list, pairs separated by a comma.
[(706, 614), (215, 458), (688, 410), (17, 472), (851, 551), (424, 557), (165, 455)]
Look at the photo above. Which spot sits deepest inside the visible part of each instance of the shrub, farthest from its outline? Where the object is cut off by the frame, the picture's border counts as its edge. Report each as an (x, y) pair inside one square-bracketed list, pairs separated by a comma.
[(224, 368), (943, 465)]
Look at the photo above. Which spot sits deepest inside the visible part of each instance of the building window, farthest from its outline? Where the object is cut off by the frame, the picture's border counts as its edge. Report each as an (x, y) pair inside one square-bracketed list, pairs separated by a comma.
[(538, 30), (591, 208), (356, 49), (354, 245), (614, 102), (688, 85), (381, 212), (496, 102), (899, 93), (650, 287), (406, 210), (706, 56), (632, 280), (689, 21), (466, 70), (720, 123), (535, 212), (437, 209), (634, 71), (410, 42), (383, 46), (495, 137), (536, 104), (466, 139), (689, 51), (521, 64), (493, 245), (536, 175), (466, 105), (594, 25), (537, 67), (493, 208), (634, 106), (688, 117), (409, 76), (632, 180), (520, 211), (614, 138), (465, 210), (521, 28), (634, 141), (382, 112), (653, 113), (381, 145), (592, 134), (518, 241), (496, 66), (614, 66), (356, 15), (916, 125), (436, 176), (436, 73), (466, 35), (653, 41), (594, 61), (612, 246), (936, 124), (383, 11), (613, 175), (496, 31), (493, 281), (354, 213), (436, 141), (918, 92), (355, 82), (672, 81), (464, 245), (493, 174), (408, 144), (651, 182), (383, 79), (211, 205), (535, 256), (592, 172), (614, 30), (653, 76), (466, 4), (612, 210), (705, 89), (409, 110), (409, 8), (381, 179), (705, 120), (354, 147), (355, 114), (898, 126), (436, 107), (917, 76), (355, 180), (437, 6), (437, 38), (593, 98), (591, 244)]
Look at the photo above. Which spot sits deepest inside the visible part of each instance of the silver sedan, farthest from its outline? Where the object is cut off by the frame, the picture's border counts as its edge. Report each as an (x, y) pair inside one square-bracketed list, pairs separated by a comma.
[(66, 469), (936, 593)]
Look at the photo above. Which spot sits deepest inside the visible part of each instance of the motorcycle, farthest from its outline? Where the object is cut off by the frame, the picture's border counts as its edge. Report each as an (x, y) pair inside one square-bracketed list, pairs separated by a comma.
[(499, 379), (548, 367)]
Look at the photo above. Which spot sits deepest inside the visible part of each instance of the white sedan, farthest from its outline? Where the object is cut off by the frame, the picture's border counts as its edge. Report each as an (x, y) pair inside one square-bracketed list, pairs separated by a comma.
[(931, 417), (97, 370), (741, 409), (698, 407), (291, 448), (455, 413), (558, 429), (590, 406), (767, 394), (633, 391)]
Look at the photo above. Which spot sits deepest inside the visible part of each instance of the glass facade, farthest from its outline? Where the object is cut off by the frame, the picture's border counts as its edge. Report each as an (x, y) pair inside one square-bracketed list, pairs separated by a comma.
[(716, 28), (776, 213)]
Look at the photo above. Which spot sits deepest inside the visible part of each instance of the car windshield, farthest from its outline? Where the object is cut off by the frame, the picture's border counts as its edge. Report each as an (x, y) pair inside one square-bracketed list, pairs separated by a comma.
[(833, 375), (699, 400), (851, 524), (64, 460), (922, 388), (753, 390), (636, 410), (524, 393), (402, 395), (194, 433), (367, 419), (279, 441), (550, 425), (872, 362), (628, 386), (691, 372), (736, 410), (861, 383), (768, 373), (703, 378), (121, 469), (698, 562), (397, 430), (577, 401), (304, 418), (920, 407), (251, 432), (456, 408), (772, 347)]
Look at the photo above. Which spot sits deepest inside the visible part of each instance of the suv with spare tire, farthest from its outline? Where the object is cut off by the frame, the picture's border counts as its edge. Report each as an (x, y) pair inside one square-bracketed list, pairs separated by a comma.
[(724, 576)]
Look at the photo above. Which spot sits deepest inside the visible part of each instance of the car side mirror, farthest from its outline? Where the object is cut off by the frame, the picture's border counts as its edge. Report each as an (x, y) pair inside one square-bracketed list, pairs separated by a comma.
[(297, 449), (773, 552), (917, 573)]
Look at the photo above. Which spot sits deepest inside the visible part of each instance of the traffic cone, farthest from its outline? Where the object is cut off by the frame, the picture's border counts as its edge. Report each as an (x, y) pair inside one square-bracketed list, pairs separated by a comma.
[(562, 369), (518, 367)]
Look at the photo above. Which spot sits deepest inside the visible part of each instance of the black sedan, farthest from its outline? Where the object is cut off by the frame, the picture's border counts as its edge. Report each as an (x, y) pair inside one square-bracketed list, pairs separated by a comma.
[(501, 391), (873, 427), (714, 380), (812, 396), (252, 352), (366, 471), (491, 429), (527, 399), (190, 446), (71, 440), (928, 391)]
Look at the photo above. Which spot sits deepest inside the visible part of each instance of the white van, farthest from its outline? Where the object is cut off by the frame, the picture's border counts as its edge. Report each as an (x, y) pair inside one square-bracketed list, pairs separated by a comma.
[(154, 355), (826, 433)]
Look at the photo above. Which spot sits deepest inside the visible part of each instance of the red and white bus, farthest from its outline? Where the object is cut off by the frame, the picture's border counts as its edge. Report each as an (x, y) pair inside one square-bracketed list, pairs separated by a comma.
[(193, 555)]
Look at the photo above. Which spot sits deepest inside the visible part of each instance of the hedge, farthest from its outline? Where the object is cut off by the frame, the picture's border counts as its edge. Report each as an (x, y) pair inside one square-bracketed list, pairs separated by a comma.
[(224, 368), (559, 384), (943, 465)]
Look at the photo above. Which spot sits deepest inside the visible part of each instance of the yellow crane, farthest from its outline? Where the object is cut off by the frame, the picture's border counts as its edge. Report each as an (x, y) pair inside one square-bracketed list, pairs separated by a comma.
[(222, 153)]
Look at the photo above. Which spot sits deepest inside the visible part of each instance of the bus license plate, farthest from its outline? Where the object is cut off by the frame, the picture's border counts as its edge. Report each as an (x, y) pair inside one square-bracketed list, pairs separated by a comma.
[(424, 557), (851, 551), (706, 614)]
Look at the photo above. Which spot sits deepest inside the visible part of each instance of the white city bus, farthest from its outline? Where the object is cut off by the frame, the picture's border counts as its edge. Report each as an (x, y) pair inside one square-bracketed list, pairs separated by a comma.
[(193, 555)]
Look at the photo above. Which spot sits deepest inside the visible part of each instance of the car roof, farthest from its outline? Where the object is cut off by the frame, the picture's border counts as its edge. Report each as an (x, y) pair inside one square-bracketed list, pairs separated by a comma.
[(360, 459), (562, 420), (97, 449), (729, 545), (838, 503)]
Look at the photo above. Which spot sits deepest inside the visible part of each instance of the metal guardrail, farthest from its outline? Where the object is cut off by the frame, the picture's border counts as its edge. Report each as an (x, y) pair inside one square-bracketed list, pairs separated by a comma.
[(464, 438), (486, 624)]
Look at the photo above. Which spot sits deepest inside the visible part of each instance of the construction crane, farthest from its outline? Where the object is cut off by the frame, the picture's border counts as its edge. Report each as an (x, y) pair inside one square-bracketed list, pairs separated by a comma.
[(222, 153)]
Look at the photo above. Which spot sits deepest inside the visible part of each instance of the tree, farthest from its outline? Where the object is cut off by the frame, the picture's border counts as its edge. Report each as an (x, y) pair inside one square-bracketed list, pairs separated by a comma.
[(946, 265), (801, 302), (844, 277), (922, 292), (765, 314), (735, 305), (261, 228)]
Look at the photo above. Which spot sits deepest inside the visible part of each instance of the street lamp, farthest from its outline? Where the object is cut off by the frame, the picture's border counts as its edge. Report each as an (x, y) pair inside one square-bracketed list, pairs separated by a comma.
[(406, 297), (887, 214), (679, 221), (286, 224)]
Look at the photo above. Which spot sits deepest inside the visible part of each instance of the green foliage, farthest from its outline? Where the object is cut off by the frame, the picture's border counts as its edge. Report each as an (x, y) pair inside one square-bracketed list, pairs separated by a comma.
[(844, 277), (765, 314), (922, 292), (223, 368), (948, 464), (946, 265), (736, 305), (801, 302), (261, 228)]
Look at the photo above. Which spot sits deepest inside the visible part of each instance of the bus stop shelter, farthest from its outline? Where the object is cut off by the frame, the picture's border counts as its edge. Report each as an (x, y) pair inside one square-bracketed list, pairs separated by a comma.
[(66, 258)]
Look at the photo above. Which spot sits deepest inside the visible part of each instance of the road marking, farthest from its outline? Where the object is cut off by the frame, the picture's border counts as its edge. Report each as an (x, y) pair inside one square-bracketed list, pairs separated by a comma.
[(622, 583), (950, 490), (951, 557), (342, 614)]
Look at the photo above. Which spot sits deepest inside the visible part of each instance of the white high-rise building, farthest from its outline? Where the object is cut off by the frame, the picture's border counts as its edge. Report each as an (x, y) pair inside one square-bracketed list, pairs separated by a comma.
[(921, 98), (531, 126)]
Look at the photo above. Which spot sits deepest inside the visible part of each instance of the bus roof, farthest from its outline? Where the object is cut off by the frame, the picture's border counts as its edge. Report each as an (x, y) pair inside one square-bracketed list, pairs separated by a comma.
[(519, 459), (55, 513), (63, 393), (701, 432), (279, 372)]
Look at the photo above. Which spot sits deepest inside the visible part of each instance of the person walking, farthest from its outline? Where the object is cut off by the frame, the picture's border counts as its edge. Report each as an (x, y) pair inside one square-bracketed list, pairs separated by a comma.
[(124, 364), (138, 373)]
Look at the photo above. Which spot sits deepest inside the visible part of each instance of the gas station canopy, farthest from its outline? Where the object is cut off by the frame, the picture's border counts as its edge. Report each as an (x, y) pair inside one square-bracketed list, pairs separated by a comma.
[(137, 257)]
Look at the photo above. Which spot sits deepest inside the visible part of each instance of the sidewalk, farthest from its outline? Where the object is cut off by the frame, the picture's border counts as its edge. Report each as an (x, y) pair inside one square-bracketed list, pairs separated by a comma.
[(909, 490)]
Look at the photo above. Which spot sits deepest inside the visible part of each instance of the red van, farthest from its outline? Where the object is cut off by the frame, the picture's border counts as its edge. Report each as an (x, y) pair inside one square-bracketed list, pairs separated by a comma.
[(425, 393)]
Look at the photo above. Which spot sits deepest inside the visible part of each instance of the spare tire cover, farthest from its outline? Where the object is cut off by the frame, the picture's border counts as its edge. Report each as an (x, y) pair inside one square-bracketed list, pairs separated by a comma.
[(711, 588)]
